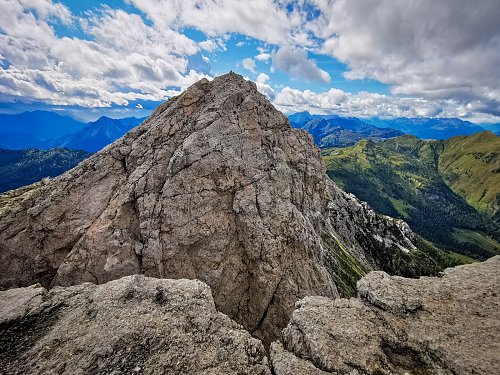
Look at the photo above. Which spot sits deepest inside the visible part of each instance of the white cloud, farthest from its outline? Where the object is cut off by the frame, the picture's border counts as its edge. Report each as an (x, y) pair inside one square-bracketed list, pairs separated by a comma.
[(262, 78), (248, 64), (216, 17), (294, 61), (447, 49), (443, 54), (139, 106), (367, 105), (264, 87), (46, 9), (212, 45), (126, 60), (208, 45), (264, 56)]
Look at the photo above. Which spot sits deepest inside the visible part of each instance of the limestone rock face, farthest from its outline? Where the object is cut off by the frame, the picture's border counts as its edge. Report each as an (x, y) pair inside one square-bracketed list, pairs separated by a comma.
[(214, 186), (134, 325), (447, 325)]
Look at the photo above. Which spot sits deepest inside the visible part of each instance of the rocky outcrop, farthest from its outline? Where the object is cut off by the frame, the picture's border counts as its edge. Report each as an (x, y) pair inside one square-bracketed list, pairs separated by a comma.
[(134, 325), (142, 325), (447, 325), (214, 186)]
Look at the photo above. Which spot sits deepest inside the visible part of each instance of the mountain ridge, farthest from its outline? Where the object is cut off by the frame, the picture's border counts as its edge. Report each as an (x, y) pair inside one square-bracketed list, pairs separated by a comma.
[(336, 131), (422, 127)]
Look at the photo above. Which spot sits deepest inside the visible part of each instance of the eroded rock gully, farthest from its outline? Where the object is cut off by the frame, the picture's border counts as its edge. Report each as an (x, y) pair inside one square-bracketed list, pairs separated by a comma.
[(215, 185)]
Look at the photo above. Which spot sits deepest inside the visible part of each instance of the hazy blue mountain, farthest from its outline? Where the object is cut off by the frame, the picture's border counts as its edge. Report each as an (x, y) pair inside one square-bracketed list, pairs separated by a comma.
[(429, 128), (336, 131), (297, 120), (495, 128), (45, 130), (23, 167), (100, 133), (34, 129)]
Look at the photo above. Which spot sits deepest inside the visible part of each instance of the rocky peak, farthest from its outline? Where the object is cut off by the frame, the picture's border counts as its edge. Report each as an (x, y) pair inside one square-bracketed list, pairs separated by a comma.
[(215, 185)]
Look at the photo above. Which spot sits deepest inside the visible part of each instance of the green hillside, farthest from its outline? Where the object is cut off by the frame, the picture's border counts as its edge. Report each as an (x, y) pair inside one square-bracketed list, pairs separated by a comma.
[(471, 167), (448, 191)]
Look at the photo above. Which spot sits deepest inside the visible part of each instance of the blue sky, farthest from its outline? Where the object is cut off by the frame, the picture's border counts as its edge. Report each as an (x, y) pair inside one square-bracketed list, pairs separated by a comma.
[(361, 58)]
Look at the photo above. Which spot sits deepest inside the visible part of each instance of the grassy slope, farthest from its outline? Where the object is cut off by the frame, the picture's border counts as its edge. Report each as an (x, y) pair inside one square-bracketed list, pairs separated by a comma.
[(402, 177), (471, 167)]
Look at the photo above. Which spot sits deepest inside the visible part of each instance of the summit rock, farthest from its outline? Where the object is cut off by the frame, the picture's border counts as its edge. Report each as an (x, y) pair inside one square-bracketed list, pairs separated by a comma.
[(215, 185)]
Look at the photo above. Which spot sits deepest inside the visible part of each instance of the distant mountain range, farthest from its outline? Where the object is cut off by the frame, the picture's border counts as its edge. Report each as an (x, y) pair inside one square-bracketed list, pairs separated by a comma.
[(35, 129), (336, 131), (23, 167), (448, 191), (429, 128), (45, 130)]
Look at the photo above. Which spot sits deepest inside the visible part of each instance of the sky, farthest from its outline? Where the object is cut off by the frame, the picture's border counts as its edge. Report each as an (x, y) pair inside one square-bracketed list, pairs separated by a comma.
[(364, 58)]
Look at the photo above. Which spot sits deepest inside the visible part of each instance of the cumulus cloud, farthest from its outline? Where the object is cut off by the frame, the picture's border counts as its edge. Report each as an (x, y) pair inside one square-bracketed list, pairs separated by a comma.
[(216, 17), (125, 60), (294, 61), (264, 56), (46, 9), (208, 45), (445, 49), (441, 55), (212, 45), (263, 78), (264, 87), (248, 64)]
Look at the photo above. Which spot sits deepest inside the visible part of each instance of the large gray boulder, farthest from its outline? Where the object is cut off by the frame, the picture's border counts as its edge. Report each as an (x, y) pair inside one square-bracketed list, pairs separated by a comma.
[(214, 186), (448, 325), (134, 325)]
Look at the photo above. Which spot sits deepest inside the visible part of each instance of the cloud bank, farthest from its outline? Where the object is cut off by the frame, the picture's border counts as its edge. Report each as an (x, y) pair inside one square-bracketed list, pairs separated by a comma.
[(439, 58), (447, 49)]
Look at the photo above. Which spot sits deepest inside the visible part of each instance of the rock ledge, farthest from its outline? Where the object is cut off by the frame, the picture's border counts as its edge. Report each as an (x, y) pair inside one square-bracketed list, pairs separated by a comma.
[(448, 325)]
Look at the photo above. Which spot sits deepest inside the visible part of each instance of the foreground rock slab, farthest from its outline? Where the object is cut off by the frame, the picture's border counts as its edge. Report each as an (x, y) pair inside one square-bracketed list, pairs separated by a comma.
[(134, 325), (448, 325)]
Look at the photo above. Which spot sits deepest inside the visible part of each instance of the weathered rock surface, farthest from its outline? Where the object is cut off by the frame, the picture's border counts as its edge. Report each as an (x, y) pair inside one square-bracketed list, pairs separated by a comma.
[(448, 325), (215, 186), (134, 325)]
